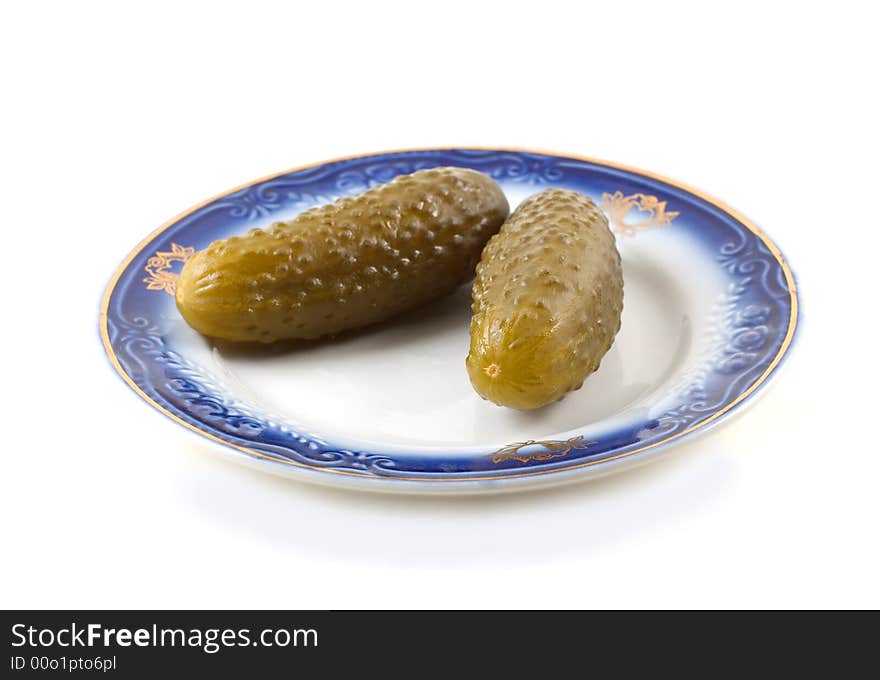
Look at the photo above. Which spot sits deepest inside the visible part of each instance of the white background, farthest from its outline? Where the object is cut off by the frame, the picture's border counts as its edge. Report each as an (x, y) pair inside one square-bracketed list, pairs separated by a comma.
[(114, 119)]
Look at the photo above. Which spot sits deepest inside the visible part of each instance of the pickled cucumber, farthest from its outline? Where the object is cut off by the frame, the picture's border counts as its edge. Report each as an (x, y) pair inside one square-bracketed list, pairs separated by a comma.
[(344, 265), (547, 301)]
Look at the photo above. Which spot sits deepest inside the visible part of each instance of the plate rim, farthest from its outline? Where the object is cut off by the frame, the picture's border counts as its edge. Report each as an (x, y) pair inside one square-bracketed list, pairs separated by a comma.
[(714, 419)]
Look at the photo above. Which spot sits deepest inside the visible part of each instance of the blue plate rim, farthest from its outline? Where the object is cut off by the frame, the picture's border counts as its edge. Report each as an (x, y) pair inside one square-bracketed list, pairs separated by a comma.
[(698, 428)]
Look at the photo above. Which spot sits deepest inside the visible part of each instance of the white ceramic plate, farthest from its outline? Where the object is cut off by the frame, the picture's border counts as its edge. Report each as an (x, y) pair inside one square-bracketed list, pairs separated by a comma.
[(710, 310)]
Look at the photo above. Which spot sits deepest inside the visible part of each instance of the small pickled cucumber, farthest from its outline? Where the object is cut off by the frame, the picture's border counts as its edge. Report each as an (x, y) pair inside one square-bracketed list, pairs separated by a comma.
[(344, 265), (547, 301)]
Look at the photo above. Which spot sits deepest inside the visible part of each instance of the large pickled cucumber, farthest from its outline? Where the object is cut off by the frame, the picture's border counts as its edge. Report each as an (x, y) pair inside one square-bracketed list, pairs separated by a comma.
[(347, 264), (546, 301)]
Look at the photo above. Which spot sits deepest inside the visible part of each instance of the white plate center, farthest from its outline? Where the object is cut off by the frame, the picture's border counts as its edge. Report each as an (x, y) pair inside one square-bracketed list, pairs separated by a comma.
[(404, 383)]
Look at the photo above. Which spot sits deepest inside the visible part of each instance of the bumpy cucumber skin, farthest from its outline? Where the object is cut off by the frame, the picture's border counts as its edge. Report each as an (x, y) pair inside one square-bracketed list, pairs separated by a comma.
[(345, 265), (547, 301)]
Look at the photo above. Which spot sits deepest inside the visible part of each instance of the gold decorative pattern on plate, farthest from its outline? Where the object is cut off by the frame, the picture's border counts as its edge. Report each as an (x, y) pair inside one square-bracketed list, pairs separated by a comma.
[(550, 449), (650, 210), (159, 268)]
